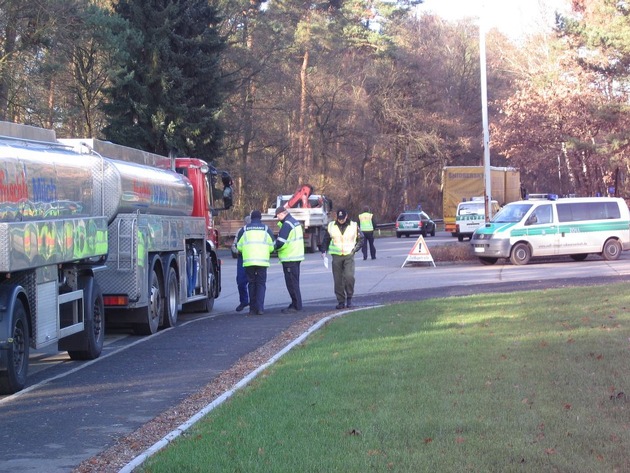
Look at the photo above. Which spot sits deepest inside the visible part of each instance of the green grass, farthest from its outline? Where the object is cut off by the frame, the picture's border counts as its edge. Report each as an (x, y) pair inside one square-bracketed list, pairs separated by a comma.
[(520, 382)]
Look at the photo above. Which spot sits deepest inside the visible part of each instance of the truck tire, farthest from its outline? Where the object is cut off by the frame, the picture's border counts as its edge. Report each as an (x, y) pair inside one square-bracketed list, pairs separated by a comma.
[(14, 378), (171, 299), (94, 333), (460, 237), (154, 308), (313, 248)]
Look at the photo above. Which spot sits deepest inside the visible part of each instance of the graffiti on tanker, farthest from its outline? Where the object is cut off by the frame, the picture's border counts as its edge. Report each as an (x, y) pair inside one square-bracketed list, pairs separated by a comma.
[(148, 193), (49, 242), (19, 201)]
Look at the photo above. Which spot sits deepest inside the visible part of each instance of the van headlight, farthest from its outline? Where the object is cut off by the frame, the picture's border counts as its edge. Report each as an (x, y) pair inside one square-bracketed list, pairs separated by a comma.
[(482, 236)]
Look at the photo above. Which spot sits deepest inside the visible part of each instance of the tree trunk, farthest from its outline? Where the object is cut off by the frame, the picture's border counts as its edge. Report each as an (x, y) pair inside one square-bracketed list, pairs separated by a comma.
[(10, 36)]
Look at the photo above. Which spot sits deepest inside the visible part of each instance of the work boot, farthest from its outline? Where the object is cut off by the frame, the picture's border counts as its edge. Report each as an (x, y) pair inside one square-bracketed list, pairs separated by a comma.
[(349, 302), (289, 310), (341, 305), (241, 306)]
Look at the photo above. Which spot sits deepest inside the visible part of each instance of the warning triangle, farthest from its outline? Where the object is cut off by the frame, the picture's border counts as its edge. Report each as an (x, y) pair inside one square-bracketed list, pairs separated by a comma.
[(419, 252)]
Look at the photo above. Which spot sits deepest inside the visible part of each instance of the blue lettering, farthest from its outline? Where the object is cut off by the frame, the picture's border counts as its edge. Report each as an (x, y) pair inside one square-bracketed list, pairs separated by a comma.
[(44, 189)]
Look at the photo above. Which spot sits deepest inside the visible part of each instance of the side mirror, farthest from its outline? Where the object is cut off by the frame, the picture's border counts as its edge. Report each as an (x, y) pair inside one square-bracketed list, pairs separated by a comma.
[(227, 197)]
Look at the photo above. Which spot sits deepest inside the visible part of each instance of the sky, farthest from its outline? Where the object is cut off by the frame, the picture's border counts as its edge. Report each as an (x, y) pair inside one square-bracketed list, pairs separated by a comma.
[(515, 18)]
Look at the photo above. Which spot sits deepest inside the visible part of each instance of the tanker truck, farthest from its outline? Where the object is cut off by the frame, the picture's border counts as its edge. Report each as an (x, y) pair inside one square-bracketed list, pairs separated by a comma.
[(93, 233)]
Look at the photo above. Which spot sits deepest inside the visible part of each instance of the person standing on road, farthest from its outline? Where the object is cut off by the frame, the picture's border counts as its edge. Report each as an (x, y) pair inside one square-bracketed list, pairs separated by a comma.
[(290, 246), (342, 240), (255, 241), (241, 276), (367, 225)]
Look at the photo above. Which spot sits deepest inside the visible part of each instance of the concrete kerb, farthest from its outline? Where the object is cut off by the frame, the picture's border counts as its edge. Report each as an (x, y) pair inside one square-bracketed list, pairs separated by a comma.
[(163, 442)]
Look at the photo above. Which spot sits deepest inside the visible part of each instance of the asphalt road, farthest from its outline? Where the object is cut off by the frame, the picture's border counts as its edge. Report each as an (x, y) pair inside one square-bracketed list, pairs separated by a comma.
[(71, 410)]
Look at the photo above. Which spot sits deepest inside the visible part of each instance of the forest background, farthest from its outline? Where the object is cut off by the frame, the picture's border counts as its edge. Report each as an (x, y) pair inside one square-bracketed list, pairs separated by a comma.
[(364, 99)]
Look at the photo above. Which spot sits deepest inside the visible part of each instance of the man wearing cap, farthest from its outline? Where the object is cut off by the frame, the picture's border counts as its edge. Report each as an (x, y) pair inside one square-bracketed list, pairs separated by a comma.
[(342, 240), (290, 246), (256, 242)]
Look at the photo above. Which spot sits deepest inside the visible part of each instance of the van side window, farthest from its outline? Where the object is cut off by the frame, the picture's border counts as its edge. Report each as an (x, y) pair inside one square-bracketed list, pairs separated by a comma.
[(575, 212), (542, 214)]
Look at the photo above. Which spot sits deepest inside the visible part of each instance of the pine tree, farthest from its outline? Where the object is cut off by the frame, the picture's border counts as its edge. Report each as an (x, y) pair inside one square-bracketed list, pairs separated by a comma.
[(168, 93)]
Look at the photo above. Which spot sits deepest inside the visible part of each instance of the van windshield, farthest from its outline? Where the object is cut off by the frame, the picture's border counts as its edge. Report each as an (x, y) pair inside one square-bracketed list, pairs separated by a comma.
[(473, 208), (511, 213)]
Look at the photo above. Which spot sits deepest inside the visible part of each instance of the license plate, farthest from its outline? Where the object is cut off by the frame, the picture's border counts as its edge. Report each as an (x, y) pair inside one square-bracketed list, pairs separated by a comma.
[(479, 249)]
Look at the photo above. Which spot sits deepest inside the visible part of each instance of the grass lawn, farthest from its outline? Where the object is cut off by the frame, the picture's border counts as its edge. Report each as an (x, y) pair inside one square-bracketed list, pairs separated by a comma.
[(521, 382)]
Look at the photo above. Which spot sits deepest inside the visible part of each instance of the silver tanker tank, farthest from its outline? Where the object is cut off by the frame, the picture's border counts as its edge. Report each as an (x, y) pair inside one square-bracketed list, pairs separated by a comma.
[(46, 180)]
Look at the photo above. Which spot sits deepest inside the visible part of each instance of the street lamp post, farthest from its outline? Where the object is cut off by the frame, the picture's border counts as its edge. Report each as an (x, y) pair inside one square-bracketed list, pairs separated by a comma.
[(484, 115)]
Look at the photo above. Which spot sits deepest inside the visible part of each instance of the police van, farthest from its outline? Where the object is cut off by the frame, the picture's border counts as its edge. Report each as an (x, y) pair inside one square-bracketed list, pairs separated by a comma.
[(552, 227), (471, 215)]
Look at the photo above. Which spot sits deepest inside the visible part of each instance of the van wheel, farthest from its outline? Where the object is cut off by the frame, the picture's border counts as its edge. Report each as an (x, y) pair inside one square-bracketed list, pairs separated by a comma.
[(579, 256), (521, 254), (612, 250), (487, 260)]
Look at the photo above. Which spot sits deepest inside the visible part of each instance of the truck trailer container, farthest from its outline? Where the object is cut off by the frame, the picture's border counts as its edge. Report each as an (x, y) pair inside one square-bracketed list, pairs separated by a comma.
[(463, 183)]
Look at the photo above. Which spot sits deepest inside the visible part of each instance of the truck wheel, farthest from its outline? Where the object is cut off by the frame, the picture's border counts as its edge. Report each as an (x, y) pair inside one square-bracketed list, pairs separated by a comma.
[(14, 378), (171, 299), (612, 250), (460, 237), (521, 254), (313, 248), (94, 332), (153, 310)]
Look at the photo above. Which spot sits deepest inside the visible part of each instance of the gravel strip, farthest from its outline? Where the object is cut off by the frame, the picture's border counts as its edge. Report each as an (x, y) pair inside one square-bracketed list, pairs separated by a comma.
[(134, 444)]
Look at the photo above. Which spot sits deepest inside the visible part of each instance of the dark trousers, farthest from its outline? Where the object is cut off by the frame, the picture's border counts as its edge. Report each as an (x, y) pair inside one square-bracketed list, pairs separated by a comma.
[(241, 282), (369, 239), (257, 285), (343, 277), (291, 271)]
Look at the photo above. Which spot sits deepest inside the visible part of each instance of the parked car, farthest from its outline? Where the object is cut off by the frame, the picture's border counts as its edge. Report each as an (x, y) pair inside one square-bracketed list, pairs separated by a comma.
[(414, 223)]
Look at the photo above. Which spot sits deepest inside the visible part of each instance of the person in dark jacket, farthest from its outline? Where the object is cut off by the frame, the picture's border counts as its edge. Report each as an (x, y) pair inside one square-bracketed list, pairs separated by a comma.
[(290, 246), (342, 240), (255, 241), (241, 276)]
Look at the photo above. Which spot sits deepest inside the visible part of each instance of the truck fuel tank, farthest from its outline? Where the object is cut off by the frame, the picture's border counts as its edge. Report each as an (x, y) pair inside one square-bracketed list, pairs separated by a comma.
[(49, 181)]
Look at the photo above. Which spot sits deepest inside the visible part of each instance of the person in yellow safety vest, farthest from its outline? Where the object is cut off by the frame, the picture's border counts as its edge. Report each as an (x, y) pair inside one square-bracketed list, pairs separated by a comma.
[(367, 224), (241, 276), (290, 246), (342, 240), (256, 242)]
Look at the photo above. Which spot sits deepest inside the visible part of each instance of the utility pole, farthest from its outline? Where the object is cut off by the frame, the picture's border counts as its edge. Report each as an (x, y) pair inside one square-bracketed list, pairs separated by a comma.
[(484, 114)]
